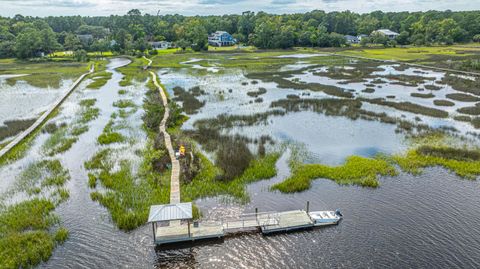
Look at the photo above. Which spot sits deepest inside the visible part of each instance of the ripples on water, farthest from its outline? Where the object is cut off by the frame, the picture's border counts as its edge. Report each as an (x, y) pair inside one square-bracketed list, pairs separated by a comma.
[(423, 221)]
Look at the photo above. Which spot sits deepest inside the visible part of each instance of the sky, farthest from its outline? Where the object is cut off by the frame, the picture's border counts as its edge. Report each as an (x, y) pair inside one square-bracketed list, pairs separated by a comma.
[(43, 8)]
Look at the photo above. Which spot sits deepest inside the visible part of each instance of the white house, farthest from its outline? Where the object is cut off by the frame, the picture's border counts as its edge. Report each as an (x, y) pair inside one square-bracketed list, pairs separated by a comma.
[(351, 39), (360, 37), (160, 45), (386, 32), (221, 38)]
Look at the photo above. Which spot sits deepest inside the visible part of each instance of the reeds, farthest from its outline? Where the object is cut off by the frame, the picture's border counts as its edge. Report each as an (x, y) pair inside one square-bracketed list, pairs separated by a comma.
[(356, 171)]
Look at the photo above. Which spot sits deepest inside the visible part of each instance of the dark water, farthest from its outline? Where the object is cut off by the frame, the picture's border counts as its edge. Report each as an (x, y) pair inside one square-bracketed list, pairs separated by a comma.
[(423, 221), (427, 221)]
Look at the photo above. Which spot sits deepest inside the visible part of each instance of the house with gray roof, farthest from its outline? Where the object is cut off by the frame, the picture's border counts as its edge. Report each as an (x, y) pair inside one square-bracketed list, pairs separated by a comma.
[(387, 32)]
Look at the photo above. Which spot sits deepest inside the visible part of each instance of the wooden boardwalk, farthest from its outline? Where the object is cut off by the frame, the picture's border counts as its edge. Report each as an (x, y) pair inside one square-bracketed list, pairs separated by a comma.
[(175, 177), (44, 116)]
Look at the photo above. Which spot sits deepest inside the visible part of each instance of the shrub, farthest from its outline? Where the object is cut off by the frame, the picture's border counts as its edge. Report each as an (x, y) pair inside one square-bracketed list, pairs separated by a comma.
[(233, 158)]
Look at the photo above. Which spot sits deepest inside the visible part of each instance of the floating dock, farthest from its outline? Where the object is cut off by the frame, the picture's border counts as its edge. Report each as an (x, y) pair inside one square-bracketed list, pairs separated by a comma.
[(180, 227)]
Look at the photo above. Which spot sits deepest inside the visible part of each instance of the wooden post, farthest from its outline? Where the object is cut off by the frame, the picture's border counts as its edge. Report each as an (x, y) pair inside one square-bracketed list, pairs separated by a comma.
[(308, 206), (256, 213), (188, 223), (153, 228)]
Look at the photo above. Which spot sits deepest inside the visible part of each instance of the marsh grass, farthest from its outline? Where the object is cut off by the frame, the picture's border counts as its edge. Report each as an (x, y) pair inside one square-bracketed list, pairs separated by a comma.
[(189, 100), (27, 233), (25, 236), (355, 171), (127, 197), (409, 107), (133, 72), (422, 95), (20, 149), (206, 183), (369, 90), (99, 79), (255, 94), (408, 80), (462, 84), (110, 138), (463, 97), (14, 127), (431, 87), (443, 103), (476, 122), (280, 78), (58, 142), (462, 162), (471, 110), (64, 137), (124, 103), (45, 74)]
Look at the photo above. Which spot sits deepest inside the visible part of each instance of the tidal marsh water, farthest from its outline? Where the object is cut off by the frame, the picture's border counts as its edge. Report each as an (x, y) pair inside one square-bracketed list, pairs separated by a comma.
[(429, 220)]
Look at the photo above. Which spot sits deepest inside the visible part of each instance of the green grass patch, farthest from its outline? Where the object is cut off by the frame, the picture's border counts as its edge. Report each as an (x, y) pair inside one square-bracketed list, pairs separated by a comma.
[(133, 72), (463, 162), (124, 103), (207, 183), (26, 234), (89, 114), (110, 138), (356, 170), (127, 197), (99, 79), (43, 74), (88, 102)]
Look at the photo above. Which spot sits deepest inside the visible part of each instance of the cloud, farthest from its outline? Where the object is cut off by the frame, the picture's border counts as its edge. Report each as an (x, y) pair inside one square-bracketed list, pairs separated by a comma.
[(219, 2), (53, 3), (283, 2), (219, 7)]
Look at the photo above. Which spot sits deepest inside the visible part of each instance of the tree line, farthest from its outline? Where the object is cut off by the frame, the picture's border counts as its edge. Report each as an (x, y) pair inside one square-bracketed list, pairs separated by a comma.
[(26, 37)]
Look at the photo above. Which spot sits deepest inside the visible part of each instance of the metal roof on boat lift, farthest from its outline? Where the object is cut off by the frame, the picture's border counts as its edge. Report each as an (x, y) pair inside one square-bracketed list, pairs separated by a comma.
[(178, 211)]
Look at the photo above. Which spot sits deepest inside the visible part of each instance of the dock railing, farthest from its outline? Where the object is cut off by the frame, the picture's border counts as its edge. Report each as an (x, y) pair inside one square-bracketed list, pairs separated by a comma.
[(250, 221)]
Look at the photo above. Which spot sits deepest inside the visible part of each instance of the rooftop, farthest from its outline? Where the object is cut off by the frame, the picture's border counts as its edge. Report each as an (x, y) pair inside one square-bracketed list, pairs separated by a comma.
[(387, 32), (168, 212)]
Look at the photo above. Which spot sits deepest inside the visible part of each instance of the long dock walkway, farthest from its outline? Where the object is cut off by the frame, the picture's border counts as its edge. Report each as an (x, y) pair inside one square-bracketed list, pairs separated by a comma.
[(44, 116), (175, 177), (266, 223)]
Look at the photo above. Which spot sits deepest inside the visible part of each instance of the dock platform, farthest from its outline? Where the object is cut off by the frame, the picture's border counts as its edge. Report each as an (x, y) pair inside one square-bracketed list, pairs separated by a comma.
[(289, 221), (266, 223), (179, 233)]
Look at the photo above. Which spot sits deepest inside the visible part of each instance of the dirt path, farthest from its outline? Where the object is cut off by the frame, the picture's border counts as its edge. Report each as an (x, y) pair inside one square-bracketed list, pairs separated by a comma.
[(44, 116), (175, 177)]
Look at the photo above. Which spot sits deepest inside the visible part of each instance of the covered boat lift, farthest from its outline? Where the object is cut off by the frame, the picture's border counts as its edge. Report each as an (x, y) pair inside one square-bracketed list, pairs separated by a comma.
[(175, 215)]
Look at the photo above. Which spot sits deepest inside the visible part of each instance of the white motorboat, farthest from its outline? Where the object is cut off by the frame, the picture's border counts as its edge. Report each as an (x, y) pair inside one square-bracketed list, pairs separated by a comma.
[(323, 218)]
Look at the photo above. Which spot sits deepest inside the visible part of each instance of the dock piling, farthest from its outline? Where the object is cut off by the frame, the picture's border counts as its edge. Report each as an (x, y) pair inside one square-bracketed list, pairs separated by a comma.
[(308, 206)]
